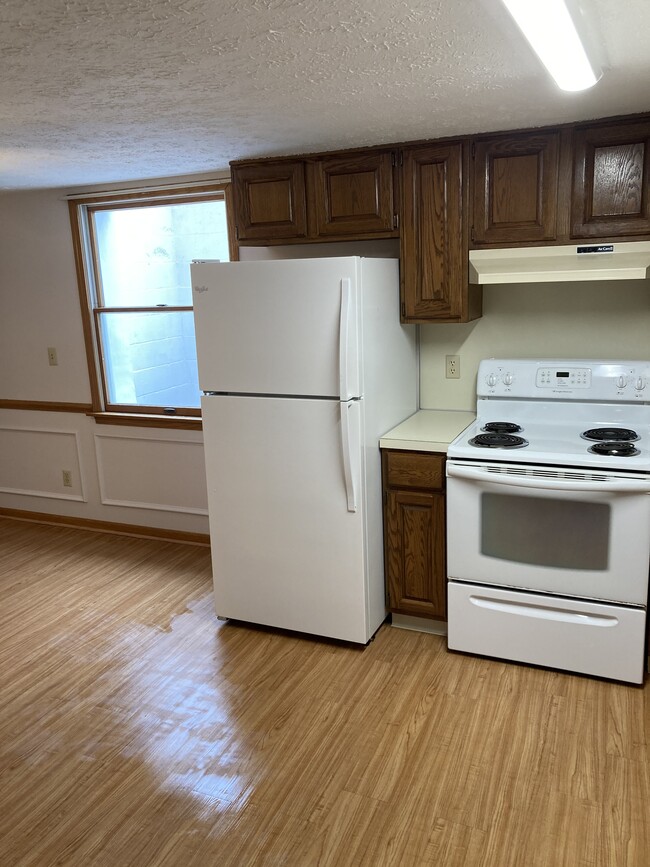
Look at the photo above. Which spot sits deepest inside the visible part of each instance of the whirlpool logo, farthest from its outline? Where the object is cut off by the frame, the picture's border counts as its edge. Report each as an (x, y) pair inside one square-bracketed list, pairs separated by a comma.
[(200, 289)]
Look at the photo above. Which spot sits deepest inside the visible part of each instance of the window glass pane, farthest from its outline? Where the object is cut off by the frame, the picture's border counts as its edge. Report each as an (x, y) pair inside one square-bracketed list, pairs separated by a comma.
[(145, 253), (150, 358), (561, 534)]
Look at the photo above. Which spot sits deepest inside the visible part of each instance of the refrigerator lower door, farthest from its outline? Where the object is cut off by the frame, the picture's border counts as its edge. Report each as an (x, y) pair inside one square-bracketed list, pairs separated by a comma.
[(287, 514)]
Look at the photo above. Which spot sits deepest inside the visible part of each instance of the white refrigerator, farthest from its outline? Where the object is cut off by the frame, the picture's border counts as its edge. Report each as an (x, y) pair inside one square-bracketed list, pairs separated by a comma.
[(303, 365)]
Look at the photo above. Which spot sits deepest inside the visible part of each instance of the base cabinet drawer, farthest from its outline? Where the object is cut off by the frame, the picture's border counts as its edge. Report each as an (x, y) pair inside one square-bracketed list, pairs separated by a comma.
[(595, 638), (415, 470)]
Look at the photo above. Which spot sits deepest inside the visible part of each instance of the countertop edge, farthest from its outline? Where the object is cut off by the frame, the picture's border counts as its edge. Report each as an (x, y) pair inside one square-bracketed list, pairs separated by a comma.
[(413, 445)]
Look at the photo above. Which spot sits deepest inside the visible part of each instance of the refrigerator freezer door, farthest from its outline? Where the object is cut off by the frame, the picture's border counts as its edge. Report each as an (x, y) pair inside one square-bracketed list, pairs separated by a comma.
[(276, 327), (286, 550)]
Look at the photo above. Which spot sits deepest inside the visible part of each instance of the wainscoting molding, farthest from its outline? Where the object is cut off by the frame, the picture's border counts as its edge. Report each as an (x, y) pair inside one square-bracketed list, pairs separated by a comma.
[(34, 459), (149, 473)]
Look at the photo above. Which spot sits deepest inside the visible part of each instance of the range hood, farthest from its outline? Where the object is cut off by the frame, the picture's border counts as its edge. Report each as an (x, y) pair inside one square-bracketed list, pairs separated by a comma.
[(625, 261)]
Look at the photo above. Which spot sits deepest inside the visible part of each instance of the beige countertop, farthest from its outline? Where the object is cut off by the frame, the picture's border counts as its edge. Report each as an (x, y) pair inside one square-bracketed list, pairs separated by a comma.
[(428, 430)]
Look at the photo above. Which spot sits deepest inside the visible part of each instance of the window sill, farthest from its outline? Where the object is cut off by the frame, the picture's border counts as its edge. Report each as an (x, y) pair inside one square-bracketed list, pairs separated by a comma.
[(180, 422)]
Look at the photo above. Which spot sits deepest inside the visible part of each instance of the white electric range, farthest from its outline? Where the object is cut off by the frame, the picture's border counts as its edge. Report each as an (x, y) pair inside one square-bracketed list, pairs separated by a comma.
[(548, 516)]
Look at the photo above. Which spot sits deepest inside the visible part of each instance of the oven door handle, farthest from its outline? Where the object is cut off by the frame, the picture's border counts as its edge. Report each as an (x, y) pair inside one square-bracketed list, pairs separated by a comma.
[(615, 486)]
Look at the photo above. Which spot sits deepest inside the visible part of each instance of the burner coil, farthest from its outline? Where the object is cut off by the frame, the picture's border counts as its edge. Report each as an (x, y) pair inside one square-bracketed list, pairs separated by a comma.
[(610, 434), (498, 441)]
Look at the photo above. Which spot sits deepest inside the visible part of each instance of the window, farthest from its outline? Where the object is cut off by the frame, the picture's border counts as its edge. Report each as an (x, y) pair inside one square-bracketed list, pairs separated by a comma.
[(133, 262)]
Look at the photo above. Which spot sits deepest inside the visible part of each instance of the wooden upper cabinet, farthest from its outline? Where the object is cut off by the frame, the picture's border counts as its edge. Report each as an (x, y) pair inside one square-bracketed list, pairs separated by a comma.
[(269, 199), (433, 236), (352, 194), (515, 188), (611, 186)]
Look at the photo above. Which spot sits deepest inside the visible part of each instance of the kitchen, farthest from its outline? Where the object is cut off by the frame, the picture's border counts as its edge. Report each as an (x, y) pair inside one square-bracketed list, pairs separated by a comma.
[(603, 321)]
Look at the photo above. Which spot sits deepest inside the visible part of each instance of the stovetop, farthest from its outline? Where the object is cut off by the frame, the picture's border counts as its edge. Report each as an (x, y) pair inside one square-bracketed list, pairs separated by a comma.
[(539, 411)]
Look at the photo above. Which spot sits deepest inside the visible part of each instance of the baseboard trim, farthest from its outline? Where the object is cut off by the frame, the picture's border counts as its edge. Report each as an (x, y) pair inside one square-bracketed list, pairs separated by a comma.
[(419, 624), (108, 527)]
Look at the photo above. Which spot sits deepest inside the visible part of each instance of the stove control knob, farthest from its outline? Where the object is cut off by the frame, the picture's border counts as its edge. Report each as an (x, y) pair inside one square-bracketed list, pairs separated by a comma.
[(621, 382), (491, 380), (640, 384), (508, 379)]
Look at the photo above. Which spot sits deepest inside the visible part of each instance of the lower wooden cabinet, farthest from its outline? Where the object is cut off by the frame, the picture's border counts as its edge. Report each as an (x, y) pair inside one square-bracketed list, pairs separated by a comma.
[(414, 533)]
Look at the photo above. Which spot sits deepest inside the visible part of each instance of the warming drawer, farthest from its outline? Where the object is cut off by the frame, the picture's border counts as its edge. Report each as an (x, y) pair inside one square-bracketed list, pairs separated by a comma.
[(587, 637)]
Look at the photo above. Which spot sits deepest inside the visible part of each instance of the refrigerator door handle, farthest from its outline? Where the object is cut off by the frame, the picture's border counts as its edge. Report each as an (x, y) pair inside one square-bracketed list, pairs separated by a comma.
[(348, 385), (349, 446)]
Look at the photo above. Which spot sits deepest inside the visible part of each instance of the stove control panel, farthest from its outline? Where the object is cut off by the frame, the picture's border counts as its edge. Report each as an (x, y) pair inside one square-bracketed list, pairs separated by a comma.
[(567, 377)]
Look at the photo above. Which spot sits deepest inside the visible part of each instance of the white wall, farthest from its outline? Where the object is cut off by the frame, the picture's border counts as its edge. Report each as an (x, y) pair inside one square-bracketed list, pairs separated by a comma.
[(562, 320), (39, 301), (142, 476)]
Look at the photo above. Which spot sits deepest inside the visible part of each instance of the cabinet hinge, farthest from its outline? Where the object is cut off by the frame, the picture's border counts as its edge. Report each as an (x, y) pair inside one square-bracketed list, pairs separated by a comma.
[(395, 221)]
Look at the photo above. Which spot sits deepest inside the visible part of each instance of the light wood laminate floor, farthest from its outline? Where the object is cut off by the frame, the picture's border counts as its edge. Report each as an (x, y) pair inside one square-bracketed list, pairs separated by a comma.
[(136, 729)]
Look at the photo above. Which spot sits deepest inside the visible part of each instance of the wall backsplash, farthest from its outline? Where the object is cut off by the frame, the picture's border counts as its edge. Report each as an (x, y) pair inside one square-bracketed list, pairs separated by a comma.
[(565, 320)]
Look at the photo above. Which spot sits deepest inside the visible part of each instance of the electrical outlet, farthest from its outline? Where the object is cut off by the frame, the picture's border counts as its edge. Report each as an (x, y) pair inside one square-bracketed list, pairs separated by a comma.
[(51, 356), (67, 478), (452, 366)]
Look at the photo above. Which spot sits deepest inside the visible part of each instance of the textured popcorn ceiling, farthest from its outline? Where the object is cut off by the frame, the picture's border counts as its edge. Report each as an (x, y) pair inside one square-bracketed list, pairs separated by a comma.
[(96, 91)]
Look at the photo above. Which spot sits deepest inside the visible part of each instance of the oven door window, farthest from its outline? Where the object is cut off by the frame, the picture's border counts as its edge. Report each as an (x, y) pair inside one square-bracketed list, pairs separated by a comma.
[(561, 534)]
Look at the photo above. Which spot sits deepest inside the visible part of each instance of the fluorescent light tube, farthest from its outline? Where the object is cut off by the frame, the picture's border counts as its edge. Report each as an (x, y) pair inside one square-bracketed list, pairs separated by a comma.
[(550, 30)]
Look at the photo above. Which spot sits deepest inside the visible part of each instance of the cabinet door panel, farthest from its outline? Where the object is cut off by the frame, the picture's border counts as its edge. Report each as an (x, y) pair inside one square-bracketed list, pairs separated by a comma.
[(611, 186), (617, 180), (515, 189), (352, 194), (270, 201), (433, 237), (415, 553)]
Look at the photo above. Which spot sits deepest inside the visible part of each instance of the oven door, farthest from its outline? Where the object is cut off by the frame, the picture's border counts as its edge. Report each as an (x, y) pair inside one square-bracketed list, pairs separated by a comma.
[(574, 533)]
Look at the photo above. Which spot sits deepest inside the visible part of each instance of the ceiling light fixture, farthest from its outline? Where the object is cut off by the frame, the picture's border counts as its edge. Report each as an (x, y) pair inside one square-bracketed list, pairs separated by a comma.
[(551, 31)]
